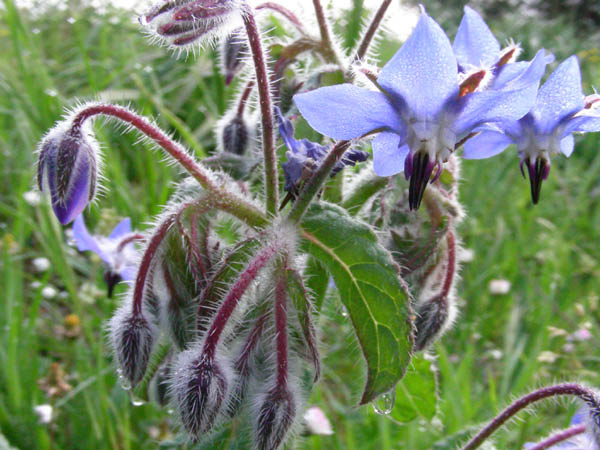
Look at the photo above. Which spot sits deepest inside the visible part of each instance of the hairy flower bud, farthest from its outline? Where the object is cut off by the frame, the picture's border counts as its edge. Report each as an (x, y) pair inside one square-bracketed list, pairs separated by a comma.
[(68, 170), (179, 23), (233, 50), (235, 135), (274, 419), (132, 337), (432, 319), (200, 384)]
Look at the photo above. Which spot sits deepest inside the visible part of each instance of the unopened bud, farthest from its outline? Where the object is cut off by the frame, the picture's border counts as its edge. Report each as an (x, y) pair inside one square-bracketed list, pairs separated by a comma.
[(235, 135), (233, 51), (132, 337), (275, 418), (67, 170), (200, 386), (432, 319)]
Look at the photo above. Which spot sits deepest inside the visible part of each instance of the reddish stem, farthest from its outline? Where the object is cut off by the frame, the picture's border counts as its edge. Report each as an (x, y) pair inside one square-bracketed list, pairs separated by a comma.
[(266, 109), (247, 276), (128, 240), (242, 361), (281, 331), (324, 30), (289, 15), (153, 132), (585, 394), (370, 33), (450, 266), (244, 98), (559, 437)]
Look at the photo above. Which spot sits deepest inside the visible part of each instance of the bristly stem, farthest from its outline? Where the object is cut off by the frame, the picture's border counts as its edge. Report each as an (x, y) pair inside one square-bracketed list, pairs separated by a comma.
[(559, 437), (325, 33), (266, 109), (289, 15), (317, 180), (370, 33), (244, 98), (281, 331), (583, 393), (223, 199), (237, 290)]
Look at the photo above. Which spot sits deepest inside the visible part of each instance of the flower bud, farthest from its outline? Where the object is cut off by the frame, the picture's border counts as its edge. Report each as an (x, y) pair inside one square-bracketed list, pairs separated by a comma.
[(432, 319), (200, 384), (235, 135), (132, 337), (183, 22), (275, 418), (68, 170), (233, 50)]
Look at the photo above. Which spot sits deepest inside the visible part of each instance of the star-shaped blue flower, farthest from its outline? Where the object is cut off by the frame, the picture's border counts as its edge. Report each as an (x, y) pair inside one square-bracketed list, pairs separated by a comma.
[(418, 110), (303, 156), (116, 250), (476, 47), (582, 441), (559, 110)]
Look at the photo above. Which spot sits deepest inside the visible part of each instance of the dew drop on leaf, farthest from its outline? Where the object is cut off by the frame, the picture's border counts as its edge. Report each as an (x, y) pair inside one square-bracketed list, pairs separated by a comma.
[(384, 404)]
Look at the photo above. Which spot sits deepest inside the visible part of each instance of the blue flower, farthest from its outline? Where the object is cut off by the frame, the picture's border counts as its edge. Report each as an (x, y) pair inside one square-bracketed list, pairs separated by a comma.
[(418, 112), (116, 250), (476, 47), (303, 156), (581, 441), (559, 110)]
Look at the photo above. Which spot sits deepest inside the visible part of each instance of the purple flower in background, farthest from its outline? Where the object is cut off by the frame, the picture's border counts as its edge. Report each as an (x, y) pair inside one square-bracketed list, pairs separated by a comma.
[(303, 156), (475, 47), (116, 250), (559, 110), (579, 441), (421, 111)]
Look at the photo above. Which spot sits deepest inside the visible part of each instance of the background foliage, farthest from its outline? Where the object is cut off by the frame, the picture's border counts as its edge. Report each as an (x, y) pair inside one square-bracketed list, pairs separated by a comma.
[(501, 346)]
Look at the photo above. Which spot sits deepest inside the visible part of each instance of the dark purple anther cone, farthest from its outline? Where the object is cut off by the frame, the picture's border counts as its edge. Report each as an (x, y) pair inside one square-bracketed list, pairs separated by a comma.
[(421, 172), (538, 171), (67, 170), (111, 279)]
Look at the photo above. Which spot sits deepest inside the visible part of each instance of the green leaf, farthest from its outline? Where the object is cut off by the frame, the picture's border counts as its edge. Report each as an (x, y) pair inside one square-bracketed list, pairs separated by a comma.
[(416, 394), (317, 281), (370, 288)]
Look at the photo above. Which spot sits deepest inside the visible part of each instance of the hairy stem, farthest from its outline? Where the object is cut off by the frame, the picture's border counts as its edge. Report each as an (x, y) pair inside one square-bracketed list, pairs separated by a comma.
[(266, 109), (559, 437), (585, 394), (281, 331), (370, 33), (246, 277), (328, 50), (317, 180), (244, 98), (289, 15)]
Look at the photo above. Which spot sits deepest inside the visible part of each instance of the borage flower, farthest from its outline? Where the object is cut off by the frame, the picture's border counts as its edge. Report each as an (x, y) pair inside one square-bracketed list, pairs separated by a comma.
[(303, 156), (421, 112), (116, 250), (476, 48), (580, 436), (559, 110)]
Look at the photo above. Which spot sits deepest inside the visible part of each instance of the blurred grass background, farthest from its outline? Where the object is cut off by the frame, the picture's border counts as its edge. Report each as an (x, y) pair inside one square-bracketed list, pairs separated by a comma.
[(501, 346)]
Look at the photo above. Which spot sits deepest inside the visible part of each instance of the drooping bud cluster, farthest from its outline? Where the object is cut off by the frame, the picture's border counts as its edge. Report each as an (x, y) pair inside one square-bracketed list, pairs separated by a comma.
[(181, 23), (68, 169)]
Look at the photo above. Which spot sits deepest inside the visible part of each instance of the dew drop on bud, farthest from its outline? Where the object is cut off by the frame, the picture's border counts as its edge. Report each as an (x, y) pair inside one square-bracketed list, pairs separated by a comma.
[(384, 404), (123, 381), (135, 400), (344, 311)]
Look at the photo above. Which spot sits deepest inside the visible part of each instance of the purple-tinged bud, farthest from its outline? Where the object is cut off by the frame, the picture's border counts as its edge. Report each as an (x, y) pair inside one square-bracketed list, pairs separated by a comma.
[(132, 337), (160, 383), (274, 418), (235, 136), (179, 23), (200, 384), (68, 170), (432, 318), (233, 52)]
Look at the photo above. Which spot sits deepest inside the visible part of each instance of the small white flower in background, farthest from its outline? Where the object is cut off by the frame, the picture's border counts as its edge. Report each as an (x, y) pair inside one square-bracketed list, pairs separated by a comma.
[(582, 334), (547, 357), (44, 413), (40, 264), (35, 285), (499, 287), (317, 422), (496, 354), (32, 198), (49, 292), (467, 255)]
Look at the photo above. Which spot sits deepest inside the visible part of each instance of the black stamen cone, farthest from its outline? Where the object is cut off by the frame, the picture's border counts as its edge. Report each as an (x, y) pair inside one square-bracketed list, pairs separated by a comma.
[(111, 279), (538, 172), (421, 172)]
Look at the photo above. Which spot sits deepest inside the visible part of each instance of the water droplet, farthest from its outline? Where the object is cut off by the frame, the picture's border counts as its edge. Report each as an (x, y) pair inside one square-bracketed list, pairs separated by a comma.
[(170, 411), (123, 382), (384, 404), (344, 311), (135, 400)]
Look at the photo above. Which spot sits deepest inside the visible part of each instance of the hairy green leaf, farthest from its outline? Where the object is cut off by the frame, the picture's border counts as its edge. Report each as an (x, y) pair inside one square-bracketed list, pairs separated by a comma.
[(370, 288)]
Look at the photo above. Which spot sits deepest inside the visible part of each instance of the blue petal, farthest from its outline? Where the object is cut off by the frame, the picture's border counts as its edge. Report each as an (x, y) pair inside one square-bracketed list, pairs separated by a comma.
[(567, 144), (123, 228), (128, 273), (474, 44), (388, 154), (485, 145), (346, 112), (559, 97), (423, 73), (286, 130), (85, 241), (582, 124), (522, 74), (493, 106)]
